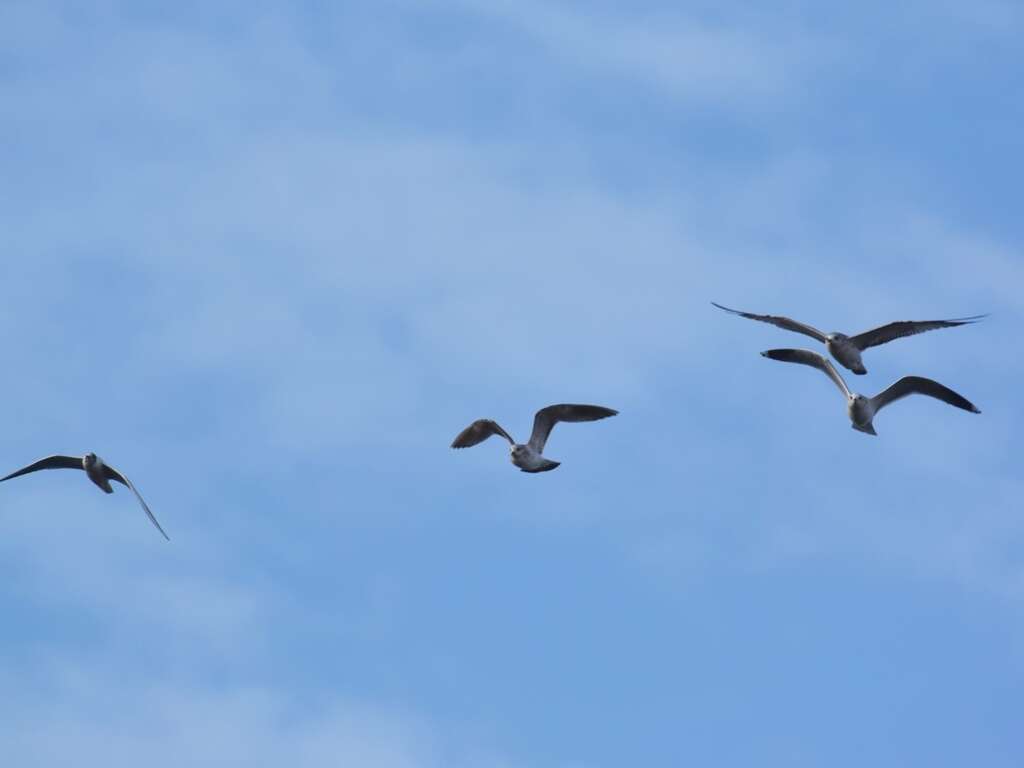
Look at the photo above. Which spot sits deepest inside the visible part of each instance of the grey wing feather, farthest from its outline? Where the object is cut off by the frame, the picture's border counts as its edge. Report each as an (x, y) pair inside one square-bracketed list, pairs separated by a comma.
[(50, 462), (813, 359), (546, 418), (901, 328), (918, 385), (479, 431), (781, 322), (112, 474)]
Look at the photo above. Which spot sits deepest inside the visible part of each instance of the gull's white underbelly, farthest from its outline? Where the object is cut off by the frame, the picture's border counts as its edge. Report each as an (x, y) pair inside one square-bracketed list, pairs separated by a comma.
[(860, 411), (846, 353), (528, 459)]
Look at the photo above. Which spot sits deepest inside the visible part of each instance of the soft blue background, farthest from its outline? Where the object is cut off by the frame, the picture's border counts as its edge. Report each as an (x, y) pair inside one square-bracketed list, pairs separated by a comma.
[(268, 259)]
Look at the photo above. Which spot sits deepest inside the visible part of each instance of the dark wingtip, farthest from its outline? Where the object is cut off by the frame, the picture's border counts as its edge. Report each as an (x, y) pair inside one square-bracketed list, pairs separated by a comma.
[(958, 321)]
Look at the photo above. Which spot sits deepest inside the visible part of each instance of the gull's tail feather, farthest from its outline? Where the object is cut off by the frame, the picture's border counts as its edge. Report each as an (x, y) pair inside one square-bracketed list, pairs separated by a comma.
[(547, 466)]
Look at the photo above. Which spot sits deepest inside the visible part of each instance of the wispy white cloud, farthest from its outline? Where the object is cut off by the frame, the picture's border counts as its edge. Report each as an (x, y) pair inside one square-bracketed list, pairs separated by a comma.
[(302, 297), (81, 714), (682, 55), (298, 263), (992, 18)]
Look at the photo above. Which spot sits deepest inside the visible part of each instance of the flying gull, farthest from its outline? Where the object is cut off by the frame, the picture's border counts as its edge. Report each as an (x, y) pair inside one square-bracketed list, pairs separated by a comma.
[(95, 469), (862, 410), (846, 349), (527, 456)]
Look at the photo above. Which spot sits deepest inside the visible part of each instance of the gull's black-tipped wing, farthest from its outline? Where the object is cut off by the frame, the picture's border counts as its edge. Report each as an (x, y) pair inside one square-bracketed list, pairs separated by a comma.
[(901, 328), (813, 359), (918, 385), (546, 418), (112, 474), (50, 462), (479, 431), (782, 322)]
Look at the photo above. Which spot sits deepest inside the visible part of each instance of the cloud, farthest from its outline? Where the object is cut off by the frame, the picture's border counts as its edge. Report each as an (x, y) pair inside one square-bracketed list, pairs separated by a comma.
[(416, 282), (269, 265), (682, 55), (80, 713)]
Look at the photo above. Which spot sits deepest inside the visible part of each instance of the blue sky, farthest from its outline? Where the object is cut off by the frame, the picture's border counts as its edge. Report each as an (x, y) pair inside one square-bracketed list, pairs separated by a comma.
[(268, 259)]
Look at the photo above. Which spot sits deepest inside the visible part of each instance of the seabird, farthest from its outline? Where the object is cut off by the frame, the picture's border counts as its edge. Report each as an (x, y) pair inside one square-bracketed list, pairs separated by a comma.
[(527, 456), (846, 349), (861, 409), (95, 469)]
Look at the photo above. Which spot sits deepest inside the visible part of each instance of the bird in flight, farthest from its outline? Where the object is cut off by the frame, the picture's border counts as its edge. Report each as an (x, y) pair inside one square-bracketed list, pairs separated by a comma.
[(861, 409), (527, 456), (101, 474), (846, 349)]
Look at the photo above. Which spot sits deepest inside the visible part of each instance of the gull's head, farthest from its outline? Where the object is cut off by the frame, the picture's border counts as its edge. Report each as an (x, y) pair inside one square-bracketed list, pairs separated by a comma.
[(517, 450), (89, 459)]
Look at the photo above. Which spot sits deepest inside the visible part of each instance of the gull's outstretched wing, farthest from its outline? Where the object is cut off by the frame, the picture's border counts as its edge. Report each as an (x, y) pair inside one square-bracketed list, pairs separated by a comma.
[(50, 462), (901, 328), (918, 385), (782, 322), (479, 431), (112, 474), (546, 418), (813, 359)]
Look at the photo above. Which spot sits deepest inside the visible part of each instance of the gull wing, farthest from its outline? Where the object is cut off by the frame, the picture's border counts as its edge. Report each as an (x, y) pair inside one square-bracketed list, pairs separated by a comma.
[(112, 474), (918, 385), (479, 431), (901, 328), (782, 322), (50, 462), (546, 418), (813, 359)]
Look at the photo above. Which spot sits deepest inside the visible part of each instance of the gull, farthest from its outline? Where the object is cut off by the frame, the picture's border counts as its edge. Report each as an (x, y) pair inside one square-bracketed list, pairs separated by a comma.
[(95, 469), (861, 409), (527, 456), (846, 349)]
